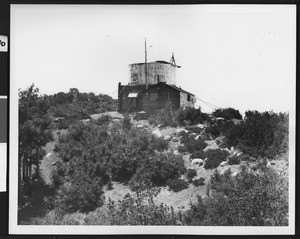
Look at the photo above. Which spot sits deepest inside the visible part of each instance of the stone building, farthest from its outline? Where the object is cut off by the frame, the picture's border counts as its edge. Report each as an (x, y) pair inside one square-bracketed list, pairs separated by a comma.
[(151, 86)]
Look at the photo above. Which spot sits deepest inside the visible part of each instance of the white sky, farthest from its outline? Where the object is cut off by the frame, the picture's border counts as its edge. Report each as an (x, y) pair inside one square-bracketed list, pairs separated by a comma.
[(240, 56)]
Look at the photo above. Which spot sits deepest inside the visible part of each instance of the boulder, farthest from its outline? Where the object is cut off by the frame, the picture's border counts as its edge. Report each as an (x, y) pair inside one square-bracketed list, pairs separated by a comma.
[(167, 137), (157, 133), (180, 130), (197, 161), (160, 125), (175, 152), (197, 137), (140, 126), (220, 119), (48, 154), (223, 163), (174, 139), (201, 126)]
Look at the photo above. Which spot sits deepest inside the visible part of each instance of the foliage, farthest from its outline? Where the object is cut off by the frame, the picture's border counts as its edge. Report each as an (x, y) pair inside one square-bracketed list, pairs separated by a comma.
[(227, 113), (233, 160), (157, 170), (190, 174), (191, 116), (260, 134), (249, 199), (83, 194), (126, 122), (177, 184), (165, 116), (104, 119), (190, 144), (74, 105), (198, 154), (34, 133), (141, 209), (93, 155), (214, 158), (198, 182)]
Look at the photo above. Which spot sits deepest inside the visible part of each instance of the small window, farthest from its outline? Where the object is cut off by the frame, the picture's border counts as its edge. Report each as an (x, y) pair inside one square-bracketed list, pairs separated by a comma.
[(188, 97), (134, 78), (153, 96)]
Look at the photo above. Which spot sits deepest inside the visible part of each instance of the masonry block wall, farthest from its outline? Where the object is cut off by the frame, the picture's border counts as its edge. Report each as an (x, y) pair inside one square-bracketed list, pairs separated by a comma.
[(158, 71)]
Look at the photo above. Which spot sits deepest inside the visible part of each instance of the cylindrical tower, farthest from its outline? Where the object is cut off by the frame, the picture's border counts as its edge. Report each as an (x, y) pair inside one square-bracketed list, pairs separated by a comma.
[(157, 71)]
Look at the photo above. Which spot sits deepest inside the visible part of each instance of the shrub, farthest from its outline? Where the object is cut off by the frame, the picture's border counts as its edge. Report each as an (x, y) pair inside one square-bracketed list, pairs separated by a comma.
[(198, 182), (260, 134), (198, 154), (84, 195), (104, 119), (213, 130), (214, 158), (248, 199), (165, 116), (190, 174), (177, 185), (140, 209), (234, 159), (157, 169), (191, 116), (228, 113), (190, 144), (126, 122)]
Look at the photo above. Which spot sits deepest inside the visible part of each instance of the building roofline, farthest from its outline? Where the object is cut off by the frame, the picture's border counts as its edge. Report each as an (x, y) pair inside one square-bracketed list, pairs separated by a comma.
[(171, 86), (161, 62)]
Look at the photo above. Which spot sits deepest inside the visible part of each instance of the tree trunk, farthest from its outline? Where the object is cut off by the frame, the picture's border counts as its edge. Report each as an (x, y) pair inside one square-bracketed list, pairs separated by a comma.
[(24, 167), (38, 162)]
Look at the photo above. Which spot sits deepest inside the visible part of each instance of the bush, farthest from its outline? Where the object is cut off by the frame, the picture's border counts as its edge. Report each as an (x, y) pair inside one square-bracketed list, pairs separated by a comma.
[(260, 134), (198, 182), (126, 122), (233, 160), (191, 116), (190, 144), (84, 195), (190, 174), (138, 209), (177, 185), (165, 116), (214, 158), (228, 113), (198, 154), (157, 169), (104, 119)]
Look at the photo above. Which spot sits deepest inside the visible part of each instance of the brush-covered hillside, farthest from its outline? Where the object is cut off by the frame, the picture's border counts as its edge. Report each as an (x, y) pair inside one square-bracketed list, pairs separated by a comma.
[(180, 167)]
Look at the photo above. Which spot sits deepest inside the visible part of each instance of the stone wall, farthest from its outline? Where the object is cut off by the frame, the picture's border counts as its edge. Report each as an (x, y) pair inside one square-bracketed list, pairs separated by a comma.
[(185, 101)]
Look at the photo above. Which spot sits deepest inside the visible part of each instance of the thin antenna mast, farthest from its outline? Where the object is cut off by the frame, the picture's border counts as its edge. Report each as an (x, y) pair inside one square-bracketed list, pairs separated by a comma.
[(146, 64)]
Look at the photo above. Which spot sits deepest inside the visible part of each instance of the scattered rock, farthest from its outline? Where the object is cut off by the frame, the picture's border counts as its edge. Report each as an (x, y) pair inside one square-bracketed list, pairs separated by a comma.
[(175, 152), (180, 130), (174, 139), (157, 133), (234, 174), (48, 154), (201, 126), (223, 163), (220, 119), (197, 137), (167, 137), (197, 161), (160, 125), (54, 163), (139, 126)]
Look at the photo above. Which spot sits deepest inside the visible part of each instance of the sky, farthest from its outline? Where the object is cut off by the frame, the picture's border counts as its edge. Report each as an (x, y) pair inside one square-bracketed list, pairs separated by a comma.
[(240, 56)]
